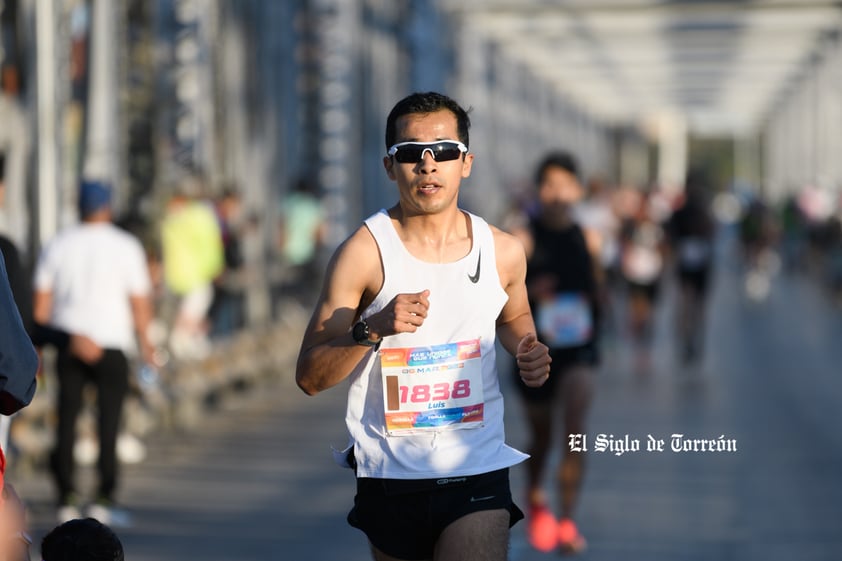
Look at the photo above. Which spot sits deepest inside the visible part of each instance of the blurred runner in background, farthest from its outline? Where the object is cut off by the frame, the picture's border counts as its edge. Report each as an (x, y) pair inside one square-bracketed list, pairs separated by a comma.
[(643, 248), (691, 231), (562, 280)]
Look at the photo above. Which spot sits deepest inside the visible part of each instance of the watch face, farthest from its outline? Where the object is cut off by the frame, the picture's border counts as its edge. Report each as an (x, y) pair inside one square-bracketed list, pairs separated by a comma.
[(361, 332)]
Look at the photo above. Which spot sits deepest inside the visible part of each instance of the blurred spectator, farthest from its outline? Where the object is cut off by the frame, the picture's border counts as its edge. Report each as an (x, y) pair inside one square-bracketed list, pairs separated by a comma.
[(227, 308), (18, 367), (15, 146), (834, 253), (18, 276), (92, 283), (301, 236), (84, 539), (759, 231), (642, 266), (193, 257), (793, 235), (691, 231), (595, 213), (13, 540)]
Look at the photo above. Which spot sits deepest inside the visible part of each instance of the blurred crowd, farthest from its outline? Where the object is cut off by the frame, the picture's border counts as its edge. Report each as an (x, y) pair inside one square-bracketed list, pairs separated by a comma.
[(603, 262), (201, 263), (118, 303), (203, 266), (652, 236)]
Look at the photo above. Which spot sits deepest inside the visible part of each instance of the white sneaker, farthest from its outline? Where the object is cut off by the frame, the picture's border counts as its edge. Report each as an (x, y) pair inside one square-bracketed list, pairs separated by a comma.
[(110, 515), (68, 512)]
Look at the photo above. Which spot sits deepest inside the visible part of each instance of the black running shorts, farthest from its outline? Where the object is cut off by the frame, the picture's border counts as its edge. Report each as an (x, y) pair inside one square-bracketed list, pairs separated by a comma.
[(404, 517)]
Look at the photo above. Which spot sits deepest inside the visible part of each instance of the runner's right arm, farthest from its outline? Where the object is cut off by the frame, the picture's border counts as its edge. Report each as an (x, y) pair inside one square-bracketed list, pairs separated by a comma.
[(353, 278)]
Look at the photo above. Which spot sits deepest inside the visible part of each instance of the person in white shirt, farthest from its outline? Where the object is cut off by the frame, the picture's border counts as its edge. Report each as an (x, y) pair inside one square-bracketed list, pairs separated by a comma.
[(92, 283), (412, 305)]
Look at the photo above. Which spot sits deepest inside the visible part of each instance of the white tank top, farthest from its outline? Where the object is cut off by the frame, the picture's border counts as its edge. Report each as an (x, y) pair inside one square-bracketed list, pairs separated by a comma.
[(439, 384)]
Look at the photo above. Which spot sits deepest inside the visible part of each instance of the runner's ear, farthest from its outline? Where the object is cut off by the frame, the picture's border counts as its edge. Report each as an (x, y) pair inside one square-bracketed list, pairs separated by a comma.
[(388, 165)]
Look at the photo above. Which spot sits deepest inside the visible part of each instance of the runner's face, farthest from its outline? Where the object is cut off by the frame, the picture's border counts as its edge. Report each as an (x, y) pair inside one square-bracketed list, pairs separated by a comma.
[(428, 186), (559, 188)]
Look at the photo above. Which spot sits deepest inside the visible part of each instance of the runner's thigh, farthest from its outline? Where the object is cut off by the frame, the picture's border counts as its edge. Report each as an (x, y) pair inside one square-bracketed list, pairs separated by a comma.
[(479, 536)]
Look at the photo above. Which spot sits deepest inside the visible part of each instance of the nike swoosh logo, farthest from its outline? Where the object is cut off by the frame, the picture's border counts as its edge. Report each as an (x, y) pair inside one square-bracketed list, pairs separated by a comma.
[(478, 499), (475, 277)]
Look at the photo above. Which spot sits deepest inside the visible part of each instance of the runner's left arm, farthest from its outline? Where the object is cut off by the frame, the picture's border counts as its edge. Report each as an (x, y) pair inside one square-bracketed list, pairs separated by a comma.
[(515, 326)]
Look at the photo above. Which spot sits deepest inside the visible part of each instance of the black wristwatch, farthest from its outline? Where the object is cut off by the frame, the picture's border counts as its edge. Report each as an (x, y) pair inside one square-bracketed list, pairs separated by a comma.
[(361, 334)]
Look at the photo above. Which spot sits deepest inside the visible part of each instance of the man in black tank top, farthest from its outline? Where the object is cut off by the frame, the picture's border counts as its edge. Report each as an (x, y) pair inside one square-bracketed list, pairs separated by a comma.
[(562, 283)]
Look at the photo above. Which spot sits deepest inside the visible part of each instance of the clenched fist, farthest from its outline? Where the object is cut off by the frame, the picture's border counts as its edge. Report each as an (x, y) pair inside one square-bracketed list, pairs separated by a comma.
[(533, 361)]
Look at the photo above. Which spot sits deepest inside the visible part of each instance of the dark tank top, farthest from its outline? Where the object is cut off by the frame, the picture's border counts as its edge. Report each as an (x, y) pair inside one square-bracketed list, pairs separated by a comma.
[(563, 254)]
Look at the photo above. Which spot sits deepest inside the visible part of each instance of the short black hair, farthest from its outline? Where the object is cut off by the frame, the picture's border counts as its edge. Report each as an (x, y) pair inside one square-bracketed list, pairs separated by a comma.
[(559, 159), (424, 103), (2, 166), (82, 539)]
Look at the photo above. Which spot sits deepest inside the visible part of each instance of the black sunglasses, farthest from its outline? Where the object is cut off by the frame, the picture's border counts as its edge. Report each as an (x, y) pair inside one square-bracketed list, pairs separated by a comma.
[(413, 152)]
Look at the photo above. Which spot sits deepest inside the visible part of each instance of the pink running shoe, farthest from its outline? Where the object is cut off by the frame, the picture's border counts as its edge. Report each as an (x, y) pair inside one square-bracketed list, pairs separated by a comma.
[(542, 530), (569, 538)]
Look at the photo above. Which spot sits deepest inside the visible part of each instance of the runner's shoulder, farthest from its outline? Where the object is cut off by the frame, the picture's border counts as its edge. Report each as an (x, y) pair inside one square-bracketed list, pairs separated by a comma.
[(358, 257), (508, 247)]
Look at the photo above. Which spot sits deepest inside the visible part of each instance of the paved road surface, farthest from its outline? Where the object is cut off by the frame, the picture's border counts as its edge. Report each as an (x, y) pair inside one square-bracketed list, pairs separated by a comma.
[(256, 481)]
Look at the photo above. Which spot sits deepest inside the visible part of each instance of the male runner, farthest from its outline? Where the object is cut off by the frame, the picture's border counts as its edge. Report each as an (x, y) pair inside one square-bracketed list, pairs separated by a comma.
[(412, 304)]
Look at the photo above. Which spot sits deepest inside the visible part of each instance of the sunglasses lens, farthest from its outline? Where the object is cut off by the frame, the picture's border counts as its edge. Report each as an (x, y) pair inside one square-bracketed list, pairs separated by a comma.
[(445, 153), (409, 154)]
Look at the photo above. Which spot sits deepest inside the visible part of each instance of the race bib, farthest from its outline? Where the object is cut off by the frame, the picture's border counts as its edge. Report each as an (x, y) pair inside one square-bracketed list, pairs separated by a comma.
[(565, 321), (432, 388)]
